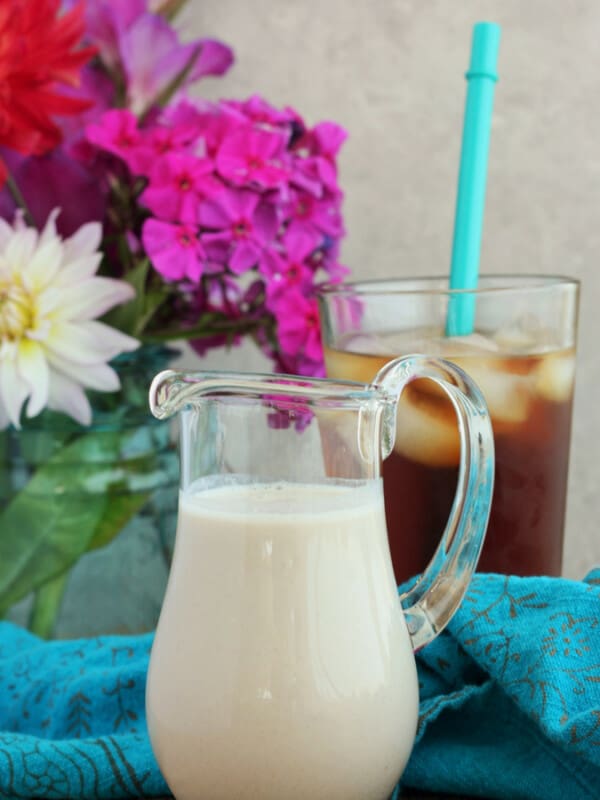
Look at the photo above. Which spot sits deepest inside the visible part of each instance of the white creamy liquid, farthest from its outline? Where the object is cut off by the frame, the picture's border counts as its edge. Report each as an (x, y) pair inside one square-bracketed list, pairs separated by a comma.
[(282, 668)]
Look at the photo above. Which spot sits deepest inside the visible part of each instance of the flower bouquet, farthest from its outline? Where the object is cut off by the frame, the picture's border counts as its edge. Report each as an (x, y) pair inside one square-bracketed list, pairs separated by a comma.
[(131, 216)]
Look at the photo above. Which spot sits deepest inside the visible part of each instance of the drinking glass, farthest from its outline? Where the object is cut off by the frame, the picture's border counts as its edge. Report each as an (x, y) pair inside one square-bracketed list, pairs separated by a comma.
[(522, 356)]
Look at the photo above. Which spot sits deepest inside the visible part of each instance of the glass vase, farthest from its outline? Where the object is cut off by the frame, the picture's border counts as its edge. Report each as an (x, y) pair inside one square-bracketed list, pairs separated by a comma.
[(87, 514)]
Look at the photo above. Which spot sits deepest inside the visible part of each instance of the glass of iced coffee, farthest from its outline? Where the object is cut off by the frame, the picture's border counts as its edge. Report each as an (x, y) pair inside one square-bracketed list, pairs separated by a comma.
[(522, 355)]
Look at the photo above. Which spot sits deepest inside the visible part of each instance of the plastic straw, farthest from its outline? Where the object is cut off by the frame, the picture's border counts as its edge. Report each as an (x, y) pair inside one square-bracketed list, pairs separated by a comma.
[(470, 200)]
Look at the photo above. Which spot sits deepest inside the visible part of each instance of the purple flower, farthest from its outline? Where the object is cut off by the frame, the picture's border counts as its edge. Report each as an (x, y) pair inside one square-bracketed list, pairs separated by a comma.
[(174, 250), (177, 185), (116, 132), (261, 113), (298, 327), (242, 221), (152, 57), (250, 156), (290, 270), (107, 20), (55, 181), (314, 216)]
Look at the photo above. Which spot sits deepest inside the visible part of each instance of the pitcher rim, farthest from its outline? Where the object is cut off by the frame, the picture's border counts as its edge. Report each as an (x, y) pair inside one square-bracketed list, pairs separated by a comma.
[(193, 386)]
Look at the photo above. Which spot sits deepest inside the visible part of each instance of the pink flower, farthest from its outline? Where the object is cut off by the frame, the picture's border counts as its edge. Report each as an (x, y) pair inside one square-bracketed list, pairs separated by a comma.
[(211, 122), (250, 156), (143, 46), (316, 154), (327, 139), (258, 111), (298, 326), (153, 56), (243, 222), (177, 185), (107, 20), (289, 271), (174, 250), (313, 216), (117, 132)]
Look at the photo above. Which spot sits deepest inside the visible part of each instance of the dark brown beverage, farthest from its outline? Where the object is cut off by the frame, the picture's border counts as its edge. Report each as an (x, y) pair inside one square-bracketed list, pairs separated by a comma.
[(529, 398)]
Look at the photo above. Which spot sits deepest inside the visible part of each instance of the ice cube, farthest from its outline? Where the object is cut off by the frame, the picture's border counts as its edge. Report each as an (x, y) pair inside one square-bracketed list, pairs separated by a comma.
[(426, 436), (508, 396), (473, 343), (555, 377), (524, 334)]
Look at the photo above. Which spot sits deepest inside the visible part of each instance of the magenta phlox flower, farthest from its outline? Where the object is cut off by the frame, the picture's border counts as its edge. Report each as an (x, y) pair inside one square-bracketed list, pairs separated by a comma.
[(117, 132), (243, 221), (336, 272), (261, 113), (211, 122), (327, 139), (174, 250), (314, 216), (298, 326), (290, 269), (253, 156), (177, 185)]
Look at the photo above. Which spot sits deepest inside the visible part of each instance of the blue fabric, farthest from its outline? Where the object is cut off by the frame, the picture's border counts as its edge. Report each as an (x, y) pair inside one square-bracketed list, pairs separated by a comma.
[(510, 703)]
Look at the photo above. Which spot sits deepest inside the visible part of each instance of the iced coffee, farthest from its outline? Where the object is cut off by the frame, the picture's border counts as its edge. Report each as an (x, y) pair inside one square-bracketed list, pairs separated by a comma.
[(527, 375)]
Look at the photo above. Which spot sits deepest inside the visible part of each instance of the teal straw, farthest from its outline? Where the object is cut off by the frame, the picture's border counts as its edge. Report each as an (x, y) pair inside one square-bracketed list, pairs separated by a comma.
[(470, 200)]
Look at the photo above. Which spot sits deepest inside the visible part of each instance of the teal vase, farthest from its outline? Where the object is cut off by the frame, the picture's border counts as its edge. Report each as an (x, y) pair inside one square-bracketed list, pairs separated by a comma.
[(88, 514)]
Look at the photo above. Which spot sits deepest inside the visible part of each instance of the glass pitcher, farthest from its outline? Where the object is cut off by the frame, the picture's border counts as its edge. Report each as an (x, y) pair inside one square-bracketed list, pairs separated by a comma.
[(283, 663)]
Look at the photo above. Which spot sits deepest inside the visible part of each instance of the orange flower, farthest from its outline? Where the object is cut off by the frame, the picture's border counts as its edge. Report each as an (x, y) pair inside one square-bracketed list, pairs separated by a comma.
[(39, 50)]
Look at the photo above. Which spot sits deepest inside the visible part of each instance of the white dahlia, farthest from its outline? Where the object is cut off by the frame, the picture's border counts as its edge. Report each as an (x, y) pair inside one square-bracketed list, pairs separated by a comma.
[(51, 345)]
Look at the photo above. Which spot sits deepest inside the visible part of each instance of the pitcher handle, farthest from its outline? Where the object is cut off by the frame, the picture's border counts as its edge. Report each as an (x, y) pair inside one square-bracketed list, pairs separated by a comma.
[(434, 598)]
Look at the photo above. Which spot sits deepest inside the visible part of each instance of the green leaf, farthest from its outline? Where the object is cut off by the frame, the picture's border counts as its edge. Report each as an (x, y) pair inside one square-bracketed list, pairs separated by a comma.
[(170, 8), (152, 301), (117, 514), (79, 498), (46, 606), (125, 317)]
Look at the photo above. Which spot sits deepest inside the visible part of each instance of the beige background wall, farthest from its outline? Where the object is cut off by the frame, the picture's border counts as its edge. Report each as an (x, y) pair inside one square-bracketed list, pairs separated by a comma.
[(391, 71)]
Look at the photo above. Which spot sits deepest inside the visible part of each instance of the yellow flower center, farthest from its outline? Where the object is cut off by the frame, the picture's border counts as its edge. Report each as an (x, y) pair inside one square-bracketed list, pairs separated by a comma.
[(16, 311)]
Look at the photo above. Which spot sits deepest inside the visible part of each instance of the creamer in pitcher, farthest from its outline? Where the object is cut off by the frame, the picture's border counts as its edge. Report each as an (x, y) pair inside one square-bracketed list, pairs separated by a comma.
[(283, 664)]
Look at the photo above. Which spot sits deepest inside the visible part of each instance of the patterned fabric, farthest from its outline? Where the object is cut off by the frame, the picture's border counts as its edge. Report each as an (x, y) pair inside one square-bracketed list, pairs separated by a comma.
[(510, 693), (510, 703)]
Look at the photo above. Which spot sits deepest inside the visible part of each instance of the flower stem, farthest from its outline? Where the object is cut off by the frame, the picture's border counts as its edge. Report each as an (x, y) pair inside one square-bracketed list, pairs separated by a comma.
[(17, 196), (46, 605)]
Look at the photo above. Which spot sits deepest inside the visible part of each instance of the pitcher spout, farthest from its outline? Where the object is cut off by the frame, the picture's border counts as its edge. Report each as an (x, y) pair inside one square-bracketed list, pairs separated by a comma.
[(167, 393)]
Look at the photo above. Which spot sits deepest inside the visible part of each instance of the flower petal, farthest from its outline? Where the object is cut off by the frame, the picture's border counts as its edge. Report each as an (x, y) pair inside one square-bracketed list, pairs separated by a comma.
[(83, 242), (20, 248), (100, 377), (6, 231), (92, 298), (78, 270), (45, 262), (49, 233), (66, 395), (4, 420), (13, 390), (87, 342), (33, 369)]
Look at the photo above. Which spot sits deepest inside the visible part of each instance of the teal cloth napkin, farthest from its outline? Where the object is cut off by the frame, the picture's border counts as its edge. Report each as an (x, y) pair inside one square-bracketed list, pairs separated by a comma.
[(510, 703)]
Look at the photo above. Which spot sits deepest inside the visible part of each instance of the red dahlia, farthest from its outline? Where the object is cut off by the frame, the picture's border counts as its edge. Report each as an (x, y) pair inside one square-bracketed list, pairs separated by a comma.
[(39, 51)]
